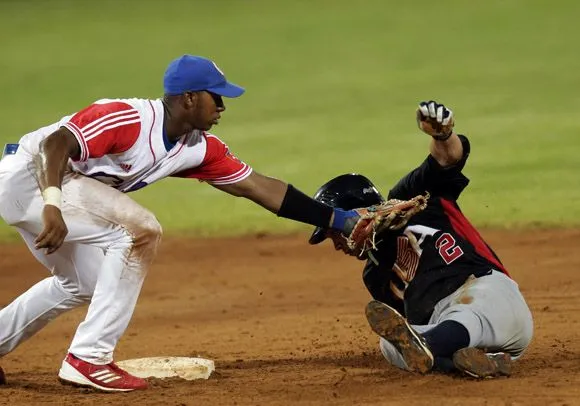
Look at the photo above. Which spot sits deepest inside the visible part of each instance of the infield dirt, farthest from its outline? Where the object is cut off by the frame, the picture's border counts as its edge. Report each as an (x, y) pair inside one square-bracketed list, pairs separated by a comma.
[(284, 323)]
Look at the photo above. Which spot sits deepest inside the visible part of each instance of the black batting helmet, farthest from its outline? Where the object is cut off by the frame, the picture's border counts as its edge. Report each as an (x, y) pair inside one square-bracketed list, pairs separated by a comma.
[(349, 191)]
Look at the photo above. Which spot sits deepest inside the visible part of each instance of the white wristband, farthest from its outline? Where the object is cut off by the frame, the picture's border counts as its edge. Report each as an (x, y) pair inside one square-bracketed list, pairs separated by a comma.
[(52, 195)]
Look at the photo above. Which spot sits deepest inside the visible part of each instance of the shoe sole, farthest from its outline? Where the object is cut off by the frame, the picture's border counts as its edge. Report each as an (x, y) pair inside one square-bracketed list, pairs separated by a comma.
[(68, 375), (390, 325), (477, 364)]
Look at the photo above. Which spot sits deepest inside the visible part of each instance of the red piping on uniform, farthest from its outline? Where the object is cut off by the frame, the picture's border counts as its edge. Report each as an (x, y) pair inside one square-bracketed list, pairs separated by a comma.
[(234, 176), (246, 172), (463, 227), (80, 138), (151, 132)]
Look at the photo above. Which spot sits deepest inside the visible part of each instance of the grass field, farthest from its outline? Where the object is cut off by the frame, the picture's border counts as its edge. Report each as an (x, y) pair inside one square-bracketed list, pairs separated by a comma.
[(331, 88)]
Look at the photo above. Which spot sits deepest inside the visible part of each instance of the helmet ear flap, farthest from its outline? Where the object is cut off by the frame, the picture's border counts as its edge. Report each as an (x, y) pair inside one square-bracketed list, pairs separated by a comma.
[(348, 191), (317, 236)]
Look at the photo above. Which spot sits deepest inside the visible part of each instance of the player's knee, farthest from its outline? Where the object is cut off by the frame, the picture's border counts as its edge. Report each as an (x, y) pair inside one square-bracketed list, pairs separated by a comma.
[(473, 322), (143, 227), (150, 230), (146, 234)]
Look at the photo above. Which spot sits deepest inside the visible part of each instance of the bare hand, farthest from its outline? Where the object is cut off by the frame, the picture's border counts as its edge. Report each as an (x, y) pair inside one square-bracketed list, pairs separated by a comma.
[(54, 232), (435, 119)]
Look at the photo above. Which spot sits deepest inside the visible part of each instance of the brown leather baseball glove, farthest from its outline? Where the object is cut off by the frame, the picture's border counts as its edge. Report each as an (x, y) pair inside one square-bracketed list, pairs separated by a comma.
[(390, 215)]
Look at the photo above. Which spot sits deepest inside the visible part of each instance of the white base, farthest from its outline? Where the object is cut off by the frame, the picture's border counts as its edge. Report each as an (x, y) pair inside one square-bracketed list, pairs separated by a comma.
[(169, 367)]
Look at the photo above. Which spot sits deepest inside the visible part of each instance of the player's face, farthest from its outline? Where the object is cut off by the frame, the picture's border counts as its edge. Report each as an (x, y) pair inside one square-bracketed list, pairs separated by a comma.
[(340, 244), (206, 110)]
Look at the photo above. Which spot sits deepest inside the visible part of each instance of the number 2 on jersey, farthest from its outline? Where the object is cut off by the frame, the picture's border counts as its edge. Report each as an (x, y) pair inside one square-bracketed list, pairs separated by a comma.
[(448, 248)]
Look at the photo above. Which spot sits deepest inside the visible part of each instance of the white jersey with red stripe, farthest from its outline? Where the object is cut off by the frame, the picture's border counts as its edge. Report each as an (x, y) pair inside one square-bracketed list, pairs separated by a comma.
[(122, 145), (110, 239)]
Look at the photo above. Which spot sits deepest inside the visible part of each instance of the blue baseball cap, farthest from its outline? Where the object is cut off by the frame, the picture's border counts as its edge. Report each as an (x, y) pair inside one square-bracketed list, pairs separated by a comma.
[(190, 73)]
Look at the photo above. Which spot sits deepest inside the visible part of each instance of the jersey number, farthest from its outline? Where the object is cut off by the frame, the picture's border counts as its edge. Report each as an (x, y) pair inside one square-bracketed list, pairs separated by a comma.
[(448, 248)]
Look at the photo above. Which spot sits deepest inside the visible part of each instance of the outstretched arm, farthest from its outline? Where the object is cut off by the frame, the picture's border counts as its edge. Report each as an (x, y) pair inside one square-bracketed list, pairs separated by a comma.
[(266, 191), (283, 200), (437, 121), (286, 201), (357, 225)]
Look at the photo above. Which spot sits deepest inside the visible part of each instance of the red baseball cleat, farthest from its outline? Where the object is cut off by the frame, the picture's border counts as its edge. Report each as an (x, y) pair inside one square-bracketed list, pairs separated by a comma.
[(109, 377)]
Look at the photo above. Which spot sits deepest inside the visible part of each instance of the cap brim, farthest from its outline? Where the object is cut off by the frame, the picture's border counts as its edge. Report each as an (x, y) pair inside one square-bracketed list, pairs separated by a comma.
[(228, 90), (317, 236)]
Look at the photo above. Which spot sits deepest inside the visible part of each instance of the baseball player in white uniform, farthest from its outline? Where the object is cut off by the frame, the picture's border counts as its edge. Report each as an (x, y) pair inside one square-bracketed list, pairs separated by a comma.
[(63, 188)]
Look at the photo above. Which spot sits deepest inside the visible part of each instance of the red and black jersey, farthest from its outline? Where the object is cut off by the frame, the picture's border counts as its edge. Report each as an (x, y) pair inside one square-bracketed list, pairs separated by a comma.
[(439, 249)]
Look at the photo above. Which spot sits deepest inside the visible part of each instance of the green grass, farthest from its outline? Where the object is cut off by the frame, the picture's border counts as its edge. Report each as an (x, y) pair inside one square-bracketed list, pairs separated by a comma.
[(331, 88)]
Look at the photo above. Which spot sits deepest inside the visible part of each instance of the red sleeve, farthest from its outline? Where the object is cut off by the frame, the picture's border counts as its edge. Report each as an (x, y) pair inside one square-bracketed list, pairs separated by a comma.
[(108, 128), (219, 166)]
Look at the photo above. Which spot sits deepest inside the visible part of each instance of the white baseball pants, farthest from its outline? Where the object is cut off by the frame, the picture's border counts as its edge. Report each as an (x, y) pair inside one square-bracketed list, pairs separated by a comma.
[(110, 243)]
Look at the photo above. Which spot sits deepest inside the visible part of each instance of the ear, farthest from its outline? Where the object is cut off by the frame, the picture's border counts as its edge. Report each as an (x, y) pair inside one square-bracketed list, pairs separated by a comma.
[(190, 100)]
